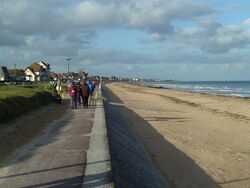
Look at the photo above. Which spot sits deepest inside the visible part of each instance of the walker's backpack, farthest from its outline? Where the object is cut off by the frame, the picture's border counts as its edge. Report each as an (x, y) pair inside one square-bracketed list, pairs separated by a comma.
[(91, 87), (85, 90)]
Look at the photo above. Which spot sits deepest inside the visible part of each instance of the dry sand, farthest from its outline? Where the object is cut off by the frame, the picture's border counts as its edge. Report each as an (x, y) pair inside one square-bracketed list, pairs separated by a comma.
[(195, 140)]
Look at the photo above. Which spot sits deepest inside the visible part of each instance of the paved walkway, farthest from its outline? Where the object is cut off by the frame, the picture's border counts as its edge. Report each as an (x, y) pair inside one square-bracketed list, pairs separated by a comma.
[(74, 152), (58, 157)]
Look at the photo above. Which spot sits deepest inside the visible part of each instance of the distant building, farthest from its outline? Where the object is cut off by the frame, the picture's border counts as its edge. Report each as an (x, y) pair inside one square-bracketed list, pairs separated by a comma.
[(4, 74), (63, 77), (30, 75), (38, 72), (82, 75), (113, 78), (53, 76), (16, 74)]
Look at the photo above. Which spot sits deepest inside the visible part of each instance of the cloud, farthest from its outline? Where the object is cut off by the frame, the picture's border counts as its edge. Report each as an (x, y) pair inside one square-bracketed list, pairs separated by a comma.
[(76, 20), (79, 38), (117, 57), (51, 17), (227, 38), (209, 36), (182, 32), (10, 39), (57, 49), (247, 22)]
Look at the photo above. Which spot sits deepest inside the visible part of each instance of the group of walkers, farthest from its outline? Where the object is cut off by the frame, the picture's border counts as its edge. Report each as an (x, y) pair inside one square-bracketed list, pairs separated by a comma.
[(81, 93)]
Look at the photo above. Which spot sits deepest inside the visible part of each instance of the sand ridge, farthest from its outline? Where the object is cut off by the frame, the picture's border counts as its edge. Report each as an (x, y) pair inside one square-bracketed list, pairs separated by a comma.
[(196, 140)]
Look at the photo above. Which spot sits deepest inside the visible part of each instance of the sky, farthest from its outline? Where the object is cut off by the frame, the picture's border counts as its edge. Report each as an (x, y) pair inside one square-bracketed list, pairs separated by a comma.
[(187, 40)]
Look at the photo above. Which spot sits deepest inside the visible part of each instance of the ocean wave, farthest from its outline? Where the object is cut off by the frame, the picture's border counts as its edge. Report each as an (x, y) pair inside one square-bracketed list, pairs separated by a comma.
[(239, 89)]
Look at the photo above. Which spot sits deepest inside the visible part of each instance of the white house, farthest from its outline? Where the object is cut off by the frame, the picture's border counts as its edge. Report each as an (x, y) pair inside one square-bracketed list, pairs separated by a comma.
[(38, 72), (29, 75)]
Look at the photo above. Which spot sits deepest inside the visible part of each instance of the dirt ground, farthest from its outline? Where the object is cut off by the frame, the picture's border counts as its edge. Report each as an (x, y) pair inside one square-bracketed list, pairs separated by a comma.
[(22, 130), (195, 140)]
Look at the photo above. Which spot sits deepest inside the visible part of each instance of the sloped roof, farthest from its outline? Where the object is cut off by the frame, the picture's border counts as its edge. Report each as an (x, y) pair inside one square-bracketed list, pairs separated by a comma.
[(28, 68), (45, 64), (17, 72), (35, 67), (53, 75)]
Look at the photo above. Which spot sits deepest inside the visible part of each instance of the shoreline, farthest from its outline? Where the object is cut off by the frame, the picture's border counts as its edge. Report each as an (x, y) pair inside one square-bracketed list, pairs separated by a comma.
[(195, 92), (195, 140), (190, 90)]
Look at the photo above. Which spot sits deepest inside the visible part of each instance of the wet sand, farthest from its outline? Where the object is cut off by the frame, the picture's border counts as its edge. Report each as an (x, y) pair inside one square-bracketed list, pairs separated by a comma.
[(195, 140)]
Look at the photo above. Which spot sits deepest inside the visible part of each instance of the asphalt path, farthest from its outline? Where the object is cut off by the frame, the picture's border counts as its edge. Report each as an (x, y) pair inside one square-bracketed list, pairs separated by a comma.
[(55, 159), (131, 165)]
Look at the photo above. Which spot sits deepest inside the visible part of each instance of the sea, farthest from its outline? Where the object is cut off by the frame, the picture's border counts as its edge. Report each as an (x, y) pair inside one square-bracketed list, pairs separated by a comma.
[(228, 88)]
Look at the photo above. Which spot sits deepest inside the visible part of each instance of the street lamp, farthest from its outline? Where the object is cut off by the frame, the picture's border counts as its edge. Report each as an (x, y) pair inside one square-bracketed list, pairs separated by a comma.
[(68, 60)]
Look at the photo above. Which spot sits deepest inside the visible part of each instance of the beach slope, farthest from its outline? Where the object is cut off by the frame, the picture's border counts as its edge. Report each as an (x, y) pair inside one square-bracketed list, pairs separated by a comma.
[(195, 140)]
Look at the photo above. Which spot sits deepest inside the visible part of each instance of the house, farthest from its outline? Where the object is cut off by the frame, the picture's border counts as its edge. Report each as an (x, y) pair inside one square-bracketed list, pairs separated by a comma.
[(53, 76), (30, 75), (64, 77), (16, 74), (38, 71), (4, 74)]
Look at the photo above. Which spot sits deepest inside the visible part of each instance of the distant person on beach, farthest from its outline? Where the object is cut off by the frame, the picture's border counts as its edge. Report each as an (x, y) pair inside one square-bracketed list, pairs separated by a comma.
[(91, 90), (85, 94), (72, 94), (79, 93)]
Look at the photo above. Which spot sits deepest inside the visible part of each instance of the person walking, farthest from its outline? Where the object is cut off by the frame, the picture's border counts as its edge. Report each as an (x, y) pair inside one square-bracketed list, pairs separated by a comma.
[(91, 90), (79, 93), (72, 94), (85, 94)]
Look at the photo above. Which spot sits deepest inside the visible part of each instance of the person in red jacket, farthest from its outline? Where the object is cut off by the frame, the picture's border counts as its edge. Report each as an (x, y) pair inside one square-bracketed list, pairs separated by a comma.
[(72, 94), (85, 94)]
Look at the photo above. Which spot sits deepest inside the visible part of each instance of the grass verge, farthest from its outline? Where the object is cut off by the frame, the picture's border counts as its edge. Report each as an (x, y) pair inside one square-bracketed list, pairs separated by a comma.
[(17, 100)]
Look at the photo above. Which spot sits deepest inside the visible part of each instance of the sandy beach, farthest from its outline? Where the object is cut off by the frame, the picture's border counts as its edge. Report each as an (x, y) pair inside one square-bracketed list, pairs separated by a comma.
[(195, 140)]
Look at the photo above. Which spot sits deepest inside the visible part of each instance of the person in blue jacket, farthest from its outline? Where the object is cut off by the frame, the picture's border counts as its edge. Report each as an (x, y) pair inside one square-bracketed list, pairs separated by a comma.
[(91, 89)]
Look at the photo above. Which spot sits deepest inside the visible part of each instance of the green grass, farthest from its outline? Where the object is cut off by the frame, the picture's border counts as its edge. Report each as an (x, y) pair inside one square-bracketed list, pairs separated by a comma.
[(23, 91), (9, 91), (19, 100)]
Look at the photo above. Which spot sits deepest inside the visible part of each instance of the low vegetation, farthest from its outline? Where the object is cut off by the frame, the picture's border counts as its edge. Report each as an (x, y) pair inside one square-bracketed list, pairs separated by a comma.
[(19, 100)]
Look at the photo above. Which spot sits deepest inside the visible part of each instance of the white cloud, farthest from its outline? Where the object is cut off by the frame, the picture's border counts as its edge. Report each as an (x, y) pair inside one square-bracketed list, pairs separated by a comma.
[(45, 17), (247, 22), (52, 30)]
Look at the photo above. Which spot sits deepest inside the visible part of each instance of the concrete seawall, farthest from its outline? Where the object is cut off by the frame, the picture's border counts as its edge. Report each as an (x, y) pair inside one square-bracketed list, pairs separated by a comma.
[(131, 165)]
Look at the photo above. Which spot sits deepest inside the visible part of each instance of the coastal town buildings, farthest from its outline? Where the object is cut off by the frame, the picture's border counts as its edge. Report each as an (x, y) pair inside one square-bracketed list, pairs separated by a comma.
[(39, 72)]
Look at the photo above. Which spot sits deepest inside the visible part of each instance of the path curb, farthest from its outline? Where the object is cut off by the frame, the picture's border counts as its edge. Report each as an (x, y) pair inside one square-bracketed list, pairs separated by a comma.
[(98, 165)]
